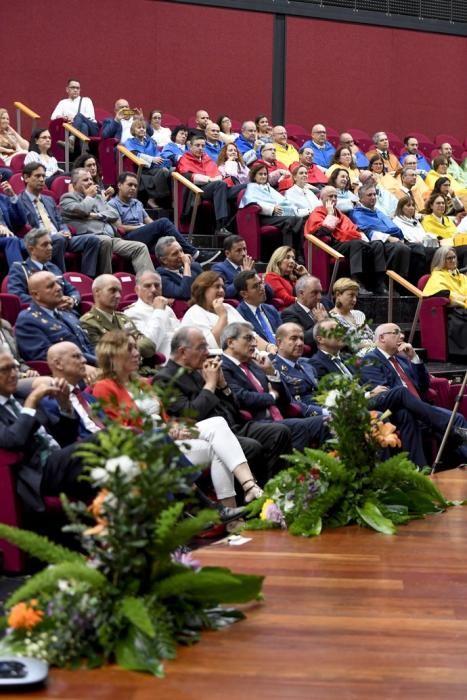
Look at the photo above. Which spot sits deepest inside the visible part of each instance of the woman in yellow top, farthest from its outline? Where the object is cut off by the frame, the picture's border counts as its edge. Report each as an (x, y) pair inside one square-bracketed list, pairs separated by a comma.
[(439, 168), (343, 158), (435, 219), (445, 276)]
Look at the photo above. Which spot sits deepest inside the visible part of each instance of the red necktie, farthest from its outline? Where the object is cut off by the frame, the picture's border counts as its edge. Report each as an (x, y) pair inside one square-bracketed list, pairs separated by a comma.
[(82, 401), (404, 377), (273, 410)]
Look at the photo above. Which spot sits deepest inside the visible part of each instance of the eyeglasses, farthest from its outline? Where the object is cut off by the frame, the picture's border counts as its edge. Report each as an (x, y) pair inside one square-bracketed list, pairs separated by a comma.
[(398, 332), (451, 257), (9, 368), (249, 337)]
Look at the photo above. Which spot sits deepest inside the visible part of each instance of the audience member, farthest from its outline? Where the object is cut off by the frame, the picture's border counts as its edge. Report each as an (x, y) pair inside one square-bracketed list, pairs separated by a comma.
[(104, 317), (301, 194), (77, 110), (90, 163), (88, 212), (201, 390), (177, 269), (346, 199), (8, 344), (411, 148), (152, 313), (232, 166), (248, 142), (440, 169), (360, 338), (453, 204), (422, 244), (379, 228), (346, 139), (381, 148), (207, 311), (160, 134), (39, 152), (454, 169), (264, 318), (11, 143), (327, 359), (259, 388), (286, 152), (295, 371), (155, 183), (138, 226), (225, 125), (42, 324), (275, 210), (203, 172), (386, 201), (214, 143), (202, 119), (316, 175), (367, 261), (323, 149), (343, 158), (445, 276), (396, 366), (277, 171), (437, 223), (42, 212), (48, 463), (308, 308), (282, 273), (173, 151), (236, 260), (12, 218), (263, 128), (38, 243), (119, 126)]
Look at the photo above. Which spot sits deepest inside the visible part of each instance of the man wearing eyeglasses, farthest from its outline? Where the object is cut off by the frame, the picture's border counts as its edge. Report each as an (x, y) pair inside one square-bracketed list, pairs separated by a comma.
[(77, 110), (322, 148), (47, 442), (395, 365), (347, 140)]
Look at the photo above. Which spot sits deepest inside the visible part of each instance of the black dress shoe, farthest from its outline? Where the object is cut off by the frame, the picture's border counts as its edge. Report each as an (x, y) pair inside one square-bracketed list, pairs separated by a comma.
[(363, 291), (380, 290), (223, 232), (460, 433), (227, 514)]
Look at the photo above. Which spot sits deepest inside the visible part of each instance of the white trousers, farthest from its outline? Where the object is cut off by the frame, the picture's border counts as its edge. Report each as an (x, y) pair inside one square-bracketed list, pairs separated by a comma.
[(217, 446)]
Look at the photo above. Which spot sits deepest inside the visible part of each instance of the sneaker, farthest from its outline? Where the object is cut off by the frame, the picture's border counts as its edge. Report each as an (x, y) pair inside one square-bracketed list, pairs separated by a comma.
[(204, 257), (363, 291)]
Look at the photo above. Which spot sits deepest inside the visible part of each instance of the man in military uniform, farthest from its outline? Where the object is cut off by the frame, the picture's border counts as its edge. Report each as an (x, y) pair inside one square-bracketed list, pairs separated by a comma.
[(296, 371), (104, 317), (42, 324)]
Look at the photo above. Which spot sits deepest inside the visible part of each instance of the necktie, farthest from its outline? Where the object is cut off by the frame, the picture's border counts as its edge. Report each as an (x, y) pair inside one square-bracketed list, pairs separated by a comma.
[(264, 323), (273, 410), (82, 401), (44, 217), (404, 377), (341, 367)]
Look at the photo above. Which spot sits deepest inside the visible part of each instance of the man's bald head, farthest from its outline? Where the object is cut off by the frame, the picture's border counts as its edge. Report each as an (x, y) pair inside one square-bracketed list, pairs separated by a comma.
[(45, 289), (67, 361)]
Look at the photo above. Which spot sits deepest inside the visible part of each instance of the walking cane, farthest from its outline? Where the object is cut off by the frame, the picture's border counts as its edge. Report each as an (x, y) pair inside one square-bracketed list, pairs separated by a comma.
[(459, 396)]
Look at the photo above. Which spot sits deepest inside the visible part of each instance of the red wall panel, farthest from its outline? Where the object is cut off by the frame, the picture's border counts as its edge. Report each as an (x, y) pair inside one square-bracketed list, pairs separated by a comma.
[(177, 58), (375, 78)]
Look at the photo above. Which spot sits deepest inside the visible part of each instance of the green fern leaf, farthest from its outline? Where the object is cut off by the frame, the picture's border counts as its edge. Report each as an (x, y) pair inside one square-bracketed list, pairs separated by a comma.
[(47, 579), (39, 546), (135, 610)]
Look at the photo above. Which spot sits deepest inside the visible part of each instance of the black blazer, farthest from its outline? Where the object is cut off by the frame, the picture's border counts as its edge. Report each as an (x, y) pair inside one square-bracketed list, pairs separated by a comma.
[(322, 364), (296, 314), (190, 399), (17, 435), (249, 398)]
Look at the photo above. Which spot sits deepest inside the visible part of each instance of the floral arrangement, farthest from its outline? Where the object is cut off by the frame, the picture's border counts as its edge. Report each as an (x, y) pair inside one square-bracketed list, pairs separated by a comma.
[(349, 483), (133, 591)]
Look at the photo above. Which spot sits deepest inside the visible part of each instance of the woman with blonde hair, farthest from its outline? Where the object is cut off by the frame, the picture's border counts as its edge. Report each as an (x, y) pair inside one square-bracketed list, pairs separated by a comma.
[(360, 337), (11, 143), (127, 399), (282, 272)]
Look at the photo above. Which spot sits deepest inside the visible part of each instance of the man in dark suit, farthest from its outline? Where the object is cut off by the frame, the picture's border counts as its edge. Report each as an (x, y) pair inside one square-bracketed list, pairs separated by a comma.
[(42, 212), (236, 260), (200, 391), (177, 270), (38, 243), (329, 341), (48, 466), (42, 324), (296, 371), (12, 219), (308, 309), (259, 388), (263, 317)]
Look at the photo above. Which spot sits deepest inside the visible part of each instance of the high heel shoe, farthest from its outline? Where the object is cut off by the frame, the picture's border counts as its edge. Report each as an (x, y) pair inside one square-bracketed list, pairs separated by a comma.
[(254, 490)]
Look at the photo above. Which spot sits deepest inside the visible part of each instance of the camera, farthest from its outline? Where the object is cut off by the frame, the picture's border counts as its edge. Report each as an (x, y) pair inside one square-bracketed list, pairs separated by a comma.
[(127, 113)]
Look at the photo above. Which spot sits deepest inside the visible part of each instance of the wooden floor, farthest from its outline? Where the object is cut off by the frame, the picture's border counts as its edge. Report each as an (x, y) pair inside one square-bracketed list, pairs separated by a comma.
[(351, 614)]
